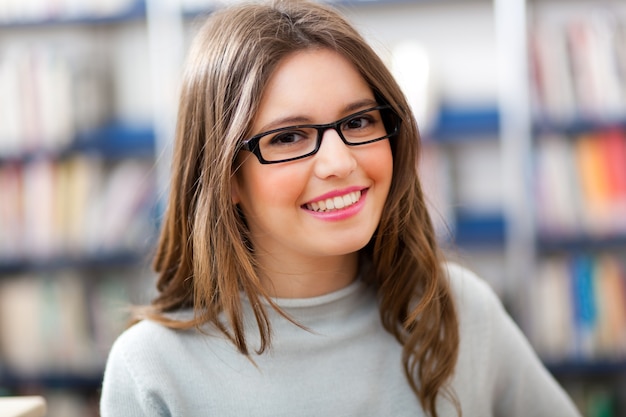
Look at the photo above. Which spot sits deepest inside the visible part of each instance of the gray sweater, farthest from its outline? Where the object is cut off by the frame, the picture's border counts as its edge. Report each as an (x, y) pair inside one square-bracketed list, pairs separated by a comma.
[(345, 365)]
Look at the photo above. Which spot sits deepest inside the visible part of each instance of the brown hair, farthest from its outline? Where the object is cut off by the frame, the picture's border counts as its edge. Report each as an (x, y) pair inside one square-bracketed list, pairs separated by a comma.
[(203, 256)]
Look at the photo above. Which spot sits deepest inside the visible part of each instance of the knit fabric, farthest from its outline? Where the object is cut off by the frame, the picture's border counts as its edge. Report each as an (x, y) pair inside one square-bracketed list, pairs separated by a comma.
[(343, 364)]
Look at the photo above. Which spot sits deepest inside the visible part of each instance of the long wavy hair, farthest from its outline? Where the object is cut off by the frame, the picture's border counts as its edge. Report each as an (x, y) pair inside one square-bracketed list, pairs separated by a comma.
[(203, 257)]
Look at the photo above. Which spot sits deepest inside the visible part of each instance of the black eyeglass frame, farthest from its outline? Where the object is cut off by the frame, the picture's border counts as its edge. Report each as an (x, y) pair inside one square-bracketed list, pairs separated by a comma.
[(391, 122)]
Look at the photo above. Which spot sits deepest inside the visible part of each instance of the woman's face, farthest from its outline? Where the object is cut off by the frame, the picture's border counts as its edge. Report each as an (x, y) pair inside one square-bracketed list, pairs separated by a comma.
[(280, 200)]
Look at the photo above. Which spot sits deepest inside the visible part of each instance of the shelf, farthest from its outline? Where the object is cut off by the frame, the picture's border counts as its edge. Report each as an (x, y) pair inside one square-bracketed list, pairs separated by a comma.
[(460, 124), (136, 11), (580, 243), (586, 367), (114, 140), (88, 382), (89, 261), (191, 13), (577, 126), (359, 3), (479, 230), (117, 140)]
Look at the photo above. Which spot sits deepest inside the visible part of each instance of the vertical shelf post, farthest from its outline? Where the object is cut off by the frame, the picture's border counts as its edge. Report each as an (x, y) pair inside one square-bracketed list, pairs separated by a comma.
[(166, 43), (516, 140)]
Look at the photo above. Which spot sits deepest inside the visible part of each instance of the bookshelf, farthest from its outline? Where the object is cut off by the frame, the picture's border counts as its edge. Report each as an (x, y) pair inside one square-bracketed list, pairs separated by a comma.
[(578, 158), (485, 115), (79, 192), (454, 127), (13, 16)]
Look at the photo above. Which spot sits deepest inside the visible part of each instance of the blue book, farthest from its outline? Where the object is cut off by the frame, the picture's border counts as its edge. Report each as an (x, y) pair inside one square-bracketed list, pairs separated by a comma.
[(584, 303)]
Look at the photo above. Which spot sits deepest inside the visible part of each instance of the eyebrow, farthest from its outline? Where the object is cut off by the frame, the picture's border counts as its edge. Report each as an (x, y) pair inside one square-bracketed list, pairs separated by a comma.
[(296, 120)]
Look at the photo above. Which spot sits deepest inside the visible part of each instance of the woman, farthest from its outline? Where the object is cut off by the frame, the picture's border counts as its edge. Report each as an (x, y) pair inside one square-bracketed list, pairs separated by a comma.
[(299, 273)]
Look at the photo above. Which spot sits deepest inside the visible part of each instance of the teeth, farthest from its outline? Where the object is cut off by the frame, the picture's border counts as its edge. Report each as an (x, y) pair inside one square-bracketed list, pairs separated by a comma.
[(335, 203)]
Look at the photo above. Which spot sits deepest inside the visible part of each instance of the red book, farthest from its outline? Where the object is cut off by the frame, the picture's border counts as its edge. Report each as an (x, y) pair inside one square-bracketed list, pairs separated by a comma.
[(614, 145)]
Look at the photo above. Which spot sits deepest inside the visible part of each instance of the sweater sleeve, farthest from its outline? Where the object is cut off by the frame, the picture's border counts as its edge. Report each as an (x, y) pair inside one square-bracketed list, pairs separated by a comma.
[(496, 354), (524, 387)]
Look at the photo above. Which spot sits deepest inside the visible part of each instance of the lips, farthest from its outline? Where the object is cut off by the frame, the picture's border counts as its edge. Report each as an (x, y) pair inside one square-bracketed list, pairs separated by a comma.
[(334, 203)]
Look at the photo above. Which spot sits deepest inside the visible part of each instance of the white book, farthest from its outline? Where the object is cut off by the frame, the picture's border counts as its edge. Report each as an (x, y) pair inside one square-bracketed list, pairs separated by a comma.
[(28, 406), (553, 331), (10, 99), (595, 66), (39, 196), (127, 189), (557, 187), (21, 311), (553, 74)]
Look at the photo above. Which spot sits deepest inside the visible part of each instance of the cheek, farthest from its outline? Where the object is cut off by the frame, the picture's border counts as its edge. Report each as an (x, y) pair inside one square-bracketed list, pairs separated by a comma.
[(263, 189), (379, 164)]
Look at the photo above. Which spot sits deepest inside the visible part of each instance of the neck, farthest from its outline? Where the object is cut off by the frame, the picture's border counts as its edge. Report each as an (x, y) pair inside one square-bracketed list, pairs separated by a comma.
[(307, 278)]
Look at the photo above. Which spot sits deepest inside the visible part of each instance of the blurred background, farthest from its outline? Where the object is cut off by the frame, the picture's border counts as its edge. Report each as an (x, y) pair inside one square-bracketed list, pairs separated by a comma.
[(522, 111)]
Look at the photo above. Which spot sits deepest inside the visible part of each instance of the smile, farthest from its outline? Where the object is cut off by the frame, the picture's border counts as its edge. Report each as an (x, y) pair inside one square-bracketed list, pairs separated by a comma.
[(335, 203)]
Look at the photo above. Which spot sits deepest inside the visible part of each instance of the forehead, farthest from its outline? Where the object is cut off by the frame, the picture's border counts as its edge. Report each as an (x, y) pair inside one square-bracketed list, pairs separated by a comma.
[(316, 84)]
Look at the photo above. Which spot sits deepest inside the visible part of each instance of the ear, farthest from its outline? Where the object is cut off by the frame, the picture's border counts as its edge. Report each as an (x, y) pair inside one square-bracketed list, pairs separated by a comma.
[(234, 189)]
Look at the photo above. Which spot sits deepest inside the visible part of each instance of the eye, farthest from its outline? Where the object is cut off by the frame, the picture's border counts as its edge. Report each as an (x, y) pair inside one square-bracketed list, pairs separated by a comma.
[(287, 138), (360, 122)]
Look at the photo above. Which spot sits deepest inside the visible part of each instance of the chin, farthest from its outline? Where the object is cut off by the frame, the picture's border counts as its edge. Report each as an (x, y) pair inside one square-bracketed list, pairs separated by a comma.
[(346, 248)]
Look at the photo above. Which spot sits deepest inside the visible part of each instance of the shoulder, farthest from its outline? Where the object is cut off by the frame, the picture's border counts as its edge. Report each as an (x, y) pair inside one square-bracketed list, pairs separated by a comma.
[(141, 335), (148, 342), (143, 365), (138, 342), (479, 310), (469, 290), (149, 353)]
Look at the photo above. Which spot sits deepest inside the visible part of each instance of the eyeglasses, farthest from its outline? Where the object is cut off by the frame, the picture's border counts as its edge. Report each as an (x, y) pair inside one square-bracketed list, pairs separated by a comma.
[(296, 142)]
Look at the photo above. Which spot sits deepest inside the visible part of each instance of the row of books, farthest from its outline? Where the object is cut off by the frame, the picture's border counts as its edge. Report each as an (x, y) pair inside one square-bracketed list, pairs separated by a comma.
[(64, 403), (579, 66), (580, 184), (49, 94), (75, 207), (40, 10), (596, 400), (64, 324), (579, 308)]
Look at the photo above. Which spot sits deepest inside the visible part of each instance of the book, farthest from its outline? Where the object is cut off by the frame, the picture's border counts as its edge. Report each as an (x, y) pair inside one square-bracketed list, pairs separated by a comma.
[(579, 308), (22, 339), (552, 311), (552, 79), (613, 143), (86, 178), (76, 206), (556, 187), (39, 196), (127, 198), (11, 214), (63, 324), (594, 181), (578, 69), (49, 94), (610, 292), (585, 308), (26, 406), (598, 84)]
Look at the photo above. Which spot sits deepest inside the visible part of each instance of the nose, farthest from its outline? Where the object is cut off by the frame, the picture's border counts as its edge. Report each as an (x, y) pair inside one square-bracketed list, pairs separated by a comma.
[(334, 158)]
